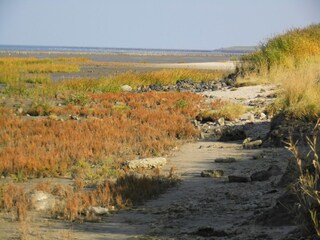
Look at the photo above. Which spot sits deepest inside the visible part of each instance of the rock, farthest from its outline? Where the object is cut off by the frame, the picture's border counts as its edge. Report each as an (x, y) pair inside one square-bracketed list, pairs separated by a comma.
[(232, 134), (247, 140), (274, 170), (221, 121), (20, 110), (250, 117), (225, 160), (147, 163), (74, 117), (238, 179), (263, 116), (42, 201), (98, 210), (260, 176), (126, 88), (252, 145), (212, 173)]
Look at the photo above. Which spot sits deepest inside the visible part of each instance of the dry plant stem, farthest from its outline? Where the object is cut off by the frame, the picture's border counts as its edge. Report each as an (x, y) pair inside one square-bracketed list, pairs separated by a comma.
[(308, 187)]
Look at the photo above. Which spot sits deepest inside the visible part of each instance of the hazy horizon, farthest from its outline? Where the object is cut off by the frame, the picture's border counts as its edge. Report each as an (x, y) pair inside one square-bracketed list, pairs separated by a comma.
[(151, 24)]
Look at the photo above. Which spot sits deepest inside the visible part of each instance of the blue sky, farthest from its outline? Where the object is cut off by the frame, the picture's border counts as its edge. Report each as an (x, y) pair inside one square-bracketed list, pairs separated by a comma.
[(173, 24)]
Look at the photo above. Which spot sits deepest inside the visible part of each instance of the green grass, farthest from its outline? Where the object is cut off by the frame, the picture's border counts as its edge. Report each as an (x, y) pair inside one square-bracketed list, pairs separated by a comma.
[(285, 51)]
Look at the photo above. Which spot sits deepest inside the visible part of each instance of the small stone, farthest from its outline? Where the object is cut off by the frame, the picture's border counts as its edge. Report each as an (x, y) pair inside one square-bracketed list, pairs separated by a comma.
[(252, 145), (260, 176), (20, 110), (99, 210), (263, 116), (74, 117), (126, 88), (221, 121), (225, 160), (250, 117), (212, 173), (238, 179)]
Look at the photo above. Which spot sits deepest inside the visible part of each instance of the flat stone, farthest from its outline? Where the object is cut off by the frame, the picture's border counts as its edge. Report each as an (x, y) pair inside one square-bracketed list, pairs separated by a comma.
[(148, 163), (99, 210), (126, 88), (238, 179), (42, 201), (225, 160), (252, 145), (212, 173), (260, 176)]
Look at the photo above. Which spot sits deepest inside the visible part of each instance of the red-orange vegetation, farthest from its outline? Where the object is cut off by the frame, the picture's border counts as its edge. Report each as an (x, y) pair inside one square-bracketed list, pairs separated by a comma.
[(117, 126)]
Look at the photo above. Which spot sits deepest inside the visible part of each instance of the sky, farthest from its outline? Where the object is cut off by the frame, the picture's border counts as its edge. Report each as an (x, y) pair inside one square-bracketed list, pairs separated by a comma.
[(162, 24)]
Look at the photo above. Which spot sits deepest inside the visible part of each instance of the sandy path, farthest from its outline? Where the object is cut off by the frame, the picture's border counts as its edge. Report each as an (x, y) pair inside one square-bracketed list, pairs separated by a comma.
[(200, 202)]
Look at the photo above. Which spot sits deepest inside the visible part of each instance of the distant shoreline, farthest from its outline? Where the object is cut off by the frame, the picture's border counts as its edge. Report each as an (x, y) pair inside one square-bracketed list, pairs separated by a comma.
[(122, 57), (130, 51)]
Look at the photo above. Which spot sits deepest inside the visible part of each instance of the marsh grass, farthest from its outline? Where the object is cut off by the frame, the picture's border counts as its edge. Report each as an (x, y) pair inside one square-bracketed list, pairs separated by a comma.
[(118, 126), (15, 70)]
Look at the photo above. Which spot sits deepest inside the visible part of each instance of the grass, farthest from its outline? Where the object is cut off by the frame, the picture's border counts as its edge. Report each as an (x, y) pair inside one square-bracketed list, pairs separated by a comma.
[(223, 109), (33, 70), (299, 95), (285, 51), (290, 60), (150, 123), (307, 187), (29, 78)]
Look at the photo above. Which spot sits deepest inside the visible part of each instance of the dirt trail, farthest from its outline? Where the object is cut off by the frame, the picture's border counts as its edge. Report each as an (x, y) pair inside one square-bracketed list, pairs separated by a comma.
[(199, 207), (202, 203)]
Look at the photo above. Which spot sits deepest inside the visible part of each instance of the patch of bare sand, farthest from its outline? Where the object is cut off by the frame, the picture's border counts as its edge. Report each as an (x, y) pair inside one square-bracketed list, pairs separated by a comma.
[(228, 65)]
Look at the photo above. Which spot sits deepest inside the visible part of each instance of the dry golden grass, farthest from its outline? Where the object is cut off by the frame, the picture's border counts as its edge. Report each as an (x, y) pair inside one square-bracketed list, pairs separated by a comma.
[(223, 109), (307, 187), (290, 60), (133, 79), (299, 93)]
